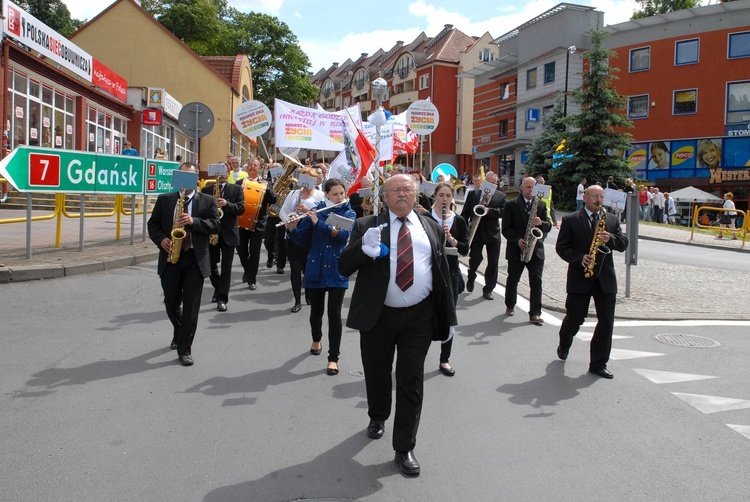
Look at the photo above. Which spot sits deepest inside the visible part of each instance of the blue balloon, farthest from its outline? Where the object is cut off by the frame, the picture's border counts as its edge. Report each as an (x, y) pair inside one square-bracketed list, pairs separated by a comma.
[(387, 115)]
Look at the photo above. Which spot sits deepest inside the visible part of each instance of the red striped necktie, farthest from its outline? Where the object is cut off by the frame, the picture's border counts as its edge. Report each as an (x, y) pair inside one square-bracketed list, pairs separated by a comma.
[(404, 258)]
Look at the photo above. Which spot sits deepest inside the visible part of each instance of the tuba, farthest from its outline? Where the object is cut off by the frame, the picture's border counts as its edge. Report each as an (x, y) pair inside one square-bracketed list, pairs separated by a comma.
[(281, 188), (532, 234), (213, 239), (597, 246), (178, 233), (479, 211)]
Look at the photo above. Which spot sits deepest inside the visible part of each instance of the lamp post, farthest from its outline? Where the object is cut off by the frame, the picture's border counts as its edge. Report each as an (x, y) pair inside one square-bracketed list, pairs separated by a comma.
[(570, 50)]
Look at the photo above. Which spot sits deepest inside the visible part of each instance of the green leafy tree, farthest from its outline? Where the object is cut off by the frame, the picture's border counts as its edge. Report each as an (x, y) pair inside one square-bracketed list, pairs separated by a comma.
[(540, 157), (595, 132), (53, 13), (654, 7), (195, 22)]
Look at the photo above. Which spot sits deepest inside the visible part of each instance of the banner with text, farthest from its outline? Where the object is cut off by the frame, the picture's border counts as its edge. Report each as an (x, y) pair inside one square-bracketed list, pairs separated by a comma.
[(313, 129)]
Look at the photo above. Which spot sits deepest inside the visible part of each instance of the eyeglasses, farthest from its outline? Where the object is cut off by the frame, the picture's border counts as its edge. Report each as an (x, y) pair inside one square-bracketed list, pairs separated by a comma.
[(405, 191)]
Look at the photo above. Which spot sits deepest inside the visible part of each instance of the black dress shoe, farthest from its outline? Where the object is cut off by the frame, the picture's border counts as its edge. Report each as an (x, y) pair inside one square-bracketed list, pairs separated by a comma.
[(470, 284), (446, 369), (407, 462), (186, 360), (488, 296), (602, 372), (252, 286), (214, 299), (562, 353), (297, 307), (279, 271), (316, 352), (269, 263), (332, 370), (375, 429), (221, 307), (173, 345)]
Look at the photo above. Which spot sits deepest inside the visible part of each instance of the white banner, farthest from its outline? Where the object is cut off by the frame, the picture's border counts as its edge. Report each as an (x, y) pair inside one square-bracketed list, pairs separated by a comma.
[(385, 147), (310, 128)]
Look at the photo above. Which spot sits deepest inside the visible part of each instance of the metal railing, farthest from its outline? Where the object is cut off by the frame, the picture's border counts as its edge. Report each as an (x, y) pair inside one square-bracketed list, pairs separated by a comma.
[(744, 228)]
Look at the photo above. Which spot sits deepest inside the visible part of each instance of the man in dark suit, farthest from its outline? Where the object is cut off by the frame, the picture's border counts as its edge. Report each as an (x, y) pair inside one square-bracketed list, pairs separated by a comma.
[(402, 300), (232, 203), (515, 222), (487, 236), (182, 282), (573, 246)]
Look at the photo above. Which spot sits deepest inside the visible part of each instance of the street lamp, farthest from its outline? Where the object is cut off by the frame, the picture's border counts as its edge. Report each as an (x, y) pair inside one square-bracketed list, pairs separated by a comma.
[(570, 50)]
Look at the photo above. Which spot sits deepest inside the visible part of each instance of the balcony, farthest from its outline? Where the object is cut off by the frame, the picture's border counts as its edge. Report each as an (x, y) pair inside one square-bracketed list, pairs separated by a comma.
[(404, 97)]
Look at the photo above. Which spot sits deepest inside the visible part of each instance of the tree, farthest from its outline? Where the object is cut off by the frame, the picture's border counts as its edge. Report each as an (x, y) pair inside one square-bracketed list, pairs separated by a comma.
[(654, 7), (540, 157), (195, 22), (594, 132), (53, 13)]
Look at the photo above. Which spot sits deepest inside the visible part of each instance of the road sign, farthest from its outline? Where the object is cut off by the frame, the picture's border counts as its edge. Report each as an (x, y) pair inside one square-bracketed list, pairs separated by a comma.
[(32, 169), (196, 119), (159, 176)]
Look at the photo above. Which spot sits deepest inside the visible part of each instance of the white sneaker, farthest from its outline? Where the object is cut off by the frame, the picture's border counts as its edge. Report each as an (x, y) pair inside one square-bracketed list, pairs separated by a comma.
[(4, 199)]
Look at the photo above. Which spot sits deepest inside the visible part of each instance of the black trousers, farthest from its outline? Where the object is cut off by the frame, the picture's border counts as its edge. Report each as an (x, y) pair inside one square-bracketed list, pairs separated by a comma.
[(297, 263), (273, 241), (446, 347), (317, 298), (515, 270), (577, 307), (182, 284), (410, 330), (221, 278), (493, 257), (249, 252)]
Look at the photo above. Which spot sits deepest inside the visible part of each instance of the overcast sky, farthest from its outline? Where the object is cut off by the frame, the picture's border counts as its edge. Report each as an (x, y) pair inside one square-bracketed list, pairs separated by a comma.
[(335, 31)]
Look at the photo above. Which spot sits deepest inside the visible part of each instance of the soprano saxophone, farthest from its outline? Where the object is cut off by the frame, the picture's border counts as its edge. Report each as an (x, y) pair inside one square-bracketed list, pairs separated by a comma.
[(597, 245), (178, 233), (532, 235), (213, 239)]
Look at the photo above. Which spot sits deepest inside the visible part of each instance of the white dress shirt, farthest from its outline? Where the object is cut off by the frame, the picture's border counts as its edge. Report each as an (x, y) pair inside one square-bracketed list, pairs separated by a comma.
[(422, 251)]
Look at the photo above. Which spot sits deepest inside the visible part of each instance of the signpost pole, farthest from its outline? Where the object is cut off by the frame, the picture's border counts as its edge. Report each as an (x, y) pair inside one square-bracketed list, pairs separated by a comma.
[(631, 232), (28, 226), (81, 217), (197, 131), (145, 218), (132, 220)]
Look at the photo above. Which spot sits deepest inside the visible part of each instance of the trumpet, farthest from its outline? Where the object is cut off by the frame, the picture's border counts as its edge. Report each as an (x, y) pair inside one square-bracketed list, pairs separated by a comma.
[(479, 211), (597, 246), (296, 217), (213, 239), (178, 233)]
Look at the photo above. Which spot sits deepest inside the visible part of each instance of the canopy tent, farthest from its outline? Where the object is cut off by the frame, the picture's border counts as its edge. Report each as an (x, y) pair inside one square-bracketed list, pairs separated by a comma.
[(694, 195)]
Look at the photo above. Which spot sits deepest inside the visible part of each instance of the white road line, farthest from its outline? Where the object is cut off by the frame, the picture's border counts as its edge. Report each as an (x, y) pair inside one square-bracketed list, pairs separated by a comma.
[(622, 354), (713, 404), (742, 429), (660, 377)]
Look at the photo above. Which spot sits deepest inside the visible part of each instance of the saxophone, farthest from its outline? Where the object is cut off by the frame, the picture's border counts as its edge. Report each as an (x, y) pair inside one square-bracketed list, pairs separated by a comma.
[(281, 188), (213, 239), (532, 234), (479, 211), (178, 233), (597, 246)]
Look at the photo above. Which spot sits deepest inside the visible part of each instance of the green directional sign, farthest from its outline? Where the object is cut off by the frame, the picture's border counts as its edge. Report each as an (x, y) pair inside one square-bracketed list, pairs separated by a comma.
[(159, 176), (31, 169)]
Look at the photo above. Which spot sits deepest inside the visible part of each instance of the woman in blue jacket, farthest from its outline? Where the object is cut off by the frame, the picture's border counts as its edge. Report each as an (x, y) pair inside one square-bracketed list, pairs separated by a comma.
[(322, 272)]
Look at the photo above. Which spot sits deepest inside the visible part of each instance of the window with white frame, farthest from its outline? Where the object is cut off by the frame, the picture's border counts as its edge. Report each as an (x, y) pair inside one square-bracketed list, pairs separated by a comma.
[(424, 81), (638, 107), (640, 59), (686, 52), (739, 45), (486, 55), (738, 102), (458, 107), (156, 137), (458, 133), (106, 132), (504, 91), (685, 102), (184, 147), (531, 78)]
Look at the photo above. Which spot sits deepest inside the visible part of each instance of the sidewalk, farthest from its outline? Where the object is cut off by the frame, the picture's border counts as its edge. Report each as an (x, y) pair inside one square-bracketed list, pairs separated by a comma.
[(658, 290)]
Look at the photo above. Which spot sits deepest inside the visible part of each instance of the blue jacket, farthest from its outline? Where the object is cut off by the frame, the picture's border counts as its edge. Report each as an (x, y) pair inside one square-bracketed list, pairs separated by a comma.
[(322, 269)]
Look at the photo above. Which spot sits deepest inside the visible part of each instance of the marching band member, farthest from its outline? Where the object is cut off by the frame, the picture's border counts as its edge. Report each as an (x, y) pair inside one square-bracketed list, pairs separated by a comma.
[(299, 201), (321, 273), (456, 236)]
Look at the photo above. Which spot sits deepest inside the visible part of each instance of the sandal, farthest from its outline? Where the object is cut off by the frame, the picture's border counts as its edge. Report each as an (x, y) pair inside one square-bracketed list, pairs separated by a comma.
[(297, 307), (332, 370)]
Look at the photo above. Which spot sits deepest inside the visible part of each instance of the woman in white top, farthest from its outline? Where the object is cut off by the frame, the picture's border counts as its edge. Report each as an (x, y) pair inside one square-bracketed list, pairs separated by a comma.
[(299, 202), (728, 216)]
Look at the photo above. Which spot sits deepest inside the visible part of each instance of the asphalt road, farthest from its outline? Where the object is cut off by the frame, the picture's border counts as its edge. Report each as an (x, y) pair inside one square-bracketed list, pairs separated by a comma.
[(95, 406)]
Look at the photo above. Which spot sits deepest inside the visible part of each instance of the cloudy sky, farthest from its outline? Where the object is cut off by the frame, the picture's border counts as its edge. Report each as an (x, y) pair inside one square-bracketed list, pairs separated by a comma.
[(335, 30)]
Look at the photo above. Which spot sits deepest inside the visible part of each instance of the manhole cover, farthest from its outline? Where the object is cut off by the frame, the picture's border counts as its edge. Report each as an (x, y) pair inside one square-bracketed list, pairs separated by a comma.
[(682, 340), (357, 373)]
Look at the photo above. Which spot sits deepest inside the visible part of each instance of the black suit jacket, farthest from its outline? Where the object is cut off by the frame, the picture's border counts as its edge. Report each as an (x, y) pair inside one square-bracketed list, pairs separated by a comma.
[(574, 241), (373, 275), (205, 222), (229, 230), (515, 221), (489, 226)]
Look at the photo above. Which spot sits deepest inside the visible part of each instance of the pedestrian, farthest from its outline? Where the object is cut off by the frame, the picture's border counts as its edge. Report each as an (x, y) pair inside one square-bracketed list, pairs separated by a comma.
[(127, 149), (658, 202), (643, 197), (579, 193), (574, 245), (322, 275), (182, 282), (670, 209), (402, 300), (728, 216), (515, 225), (487, 234)]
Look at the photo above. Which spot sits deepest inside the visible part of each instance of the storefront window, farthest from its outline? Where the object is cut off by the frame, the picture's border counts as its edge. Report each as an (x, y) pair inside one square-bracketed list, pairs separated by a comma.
[(105, 135), (157, 137)]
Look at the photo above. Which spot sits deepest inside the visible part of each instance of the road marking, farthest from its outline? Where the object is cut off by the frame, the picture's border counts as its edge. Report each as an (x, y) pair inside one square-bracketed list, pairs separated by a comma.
[(586, 336), (713, 404), (742, 429), (659, 377), (621, 354)]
